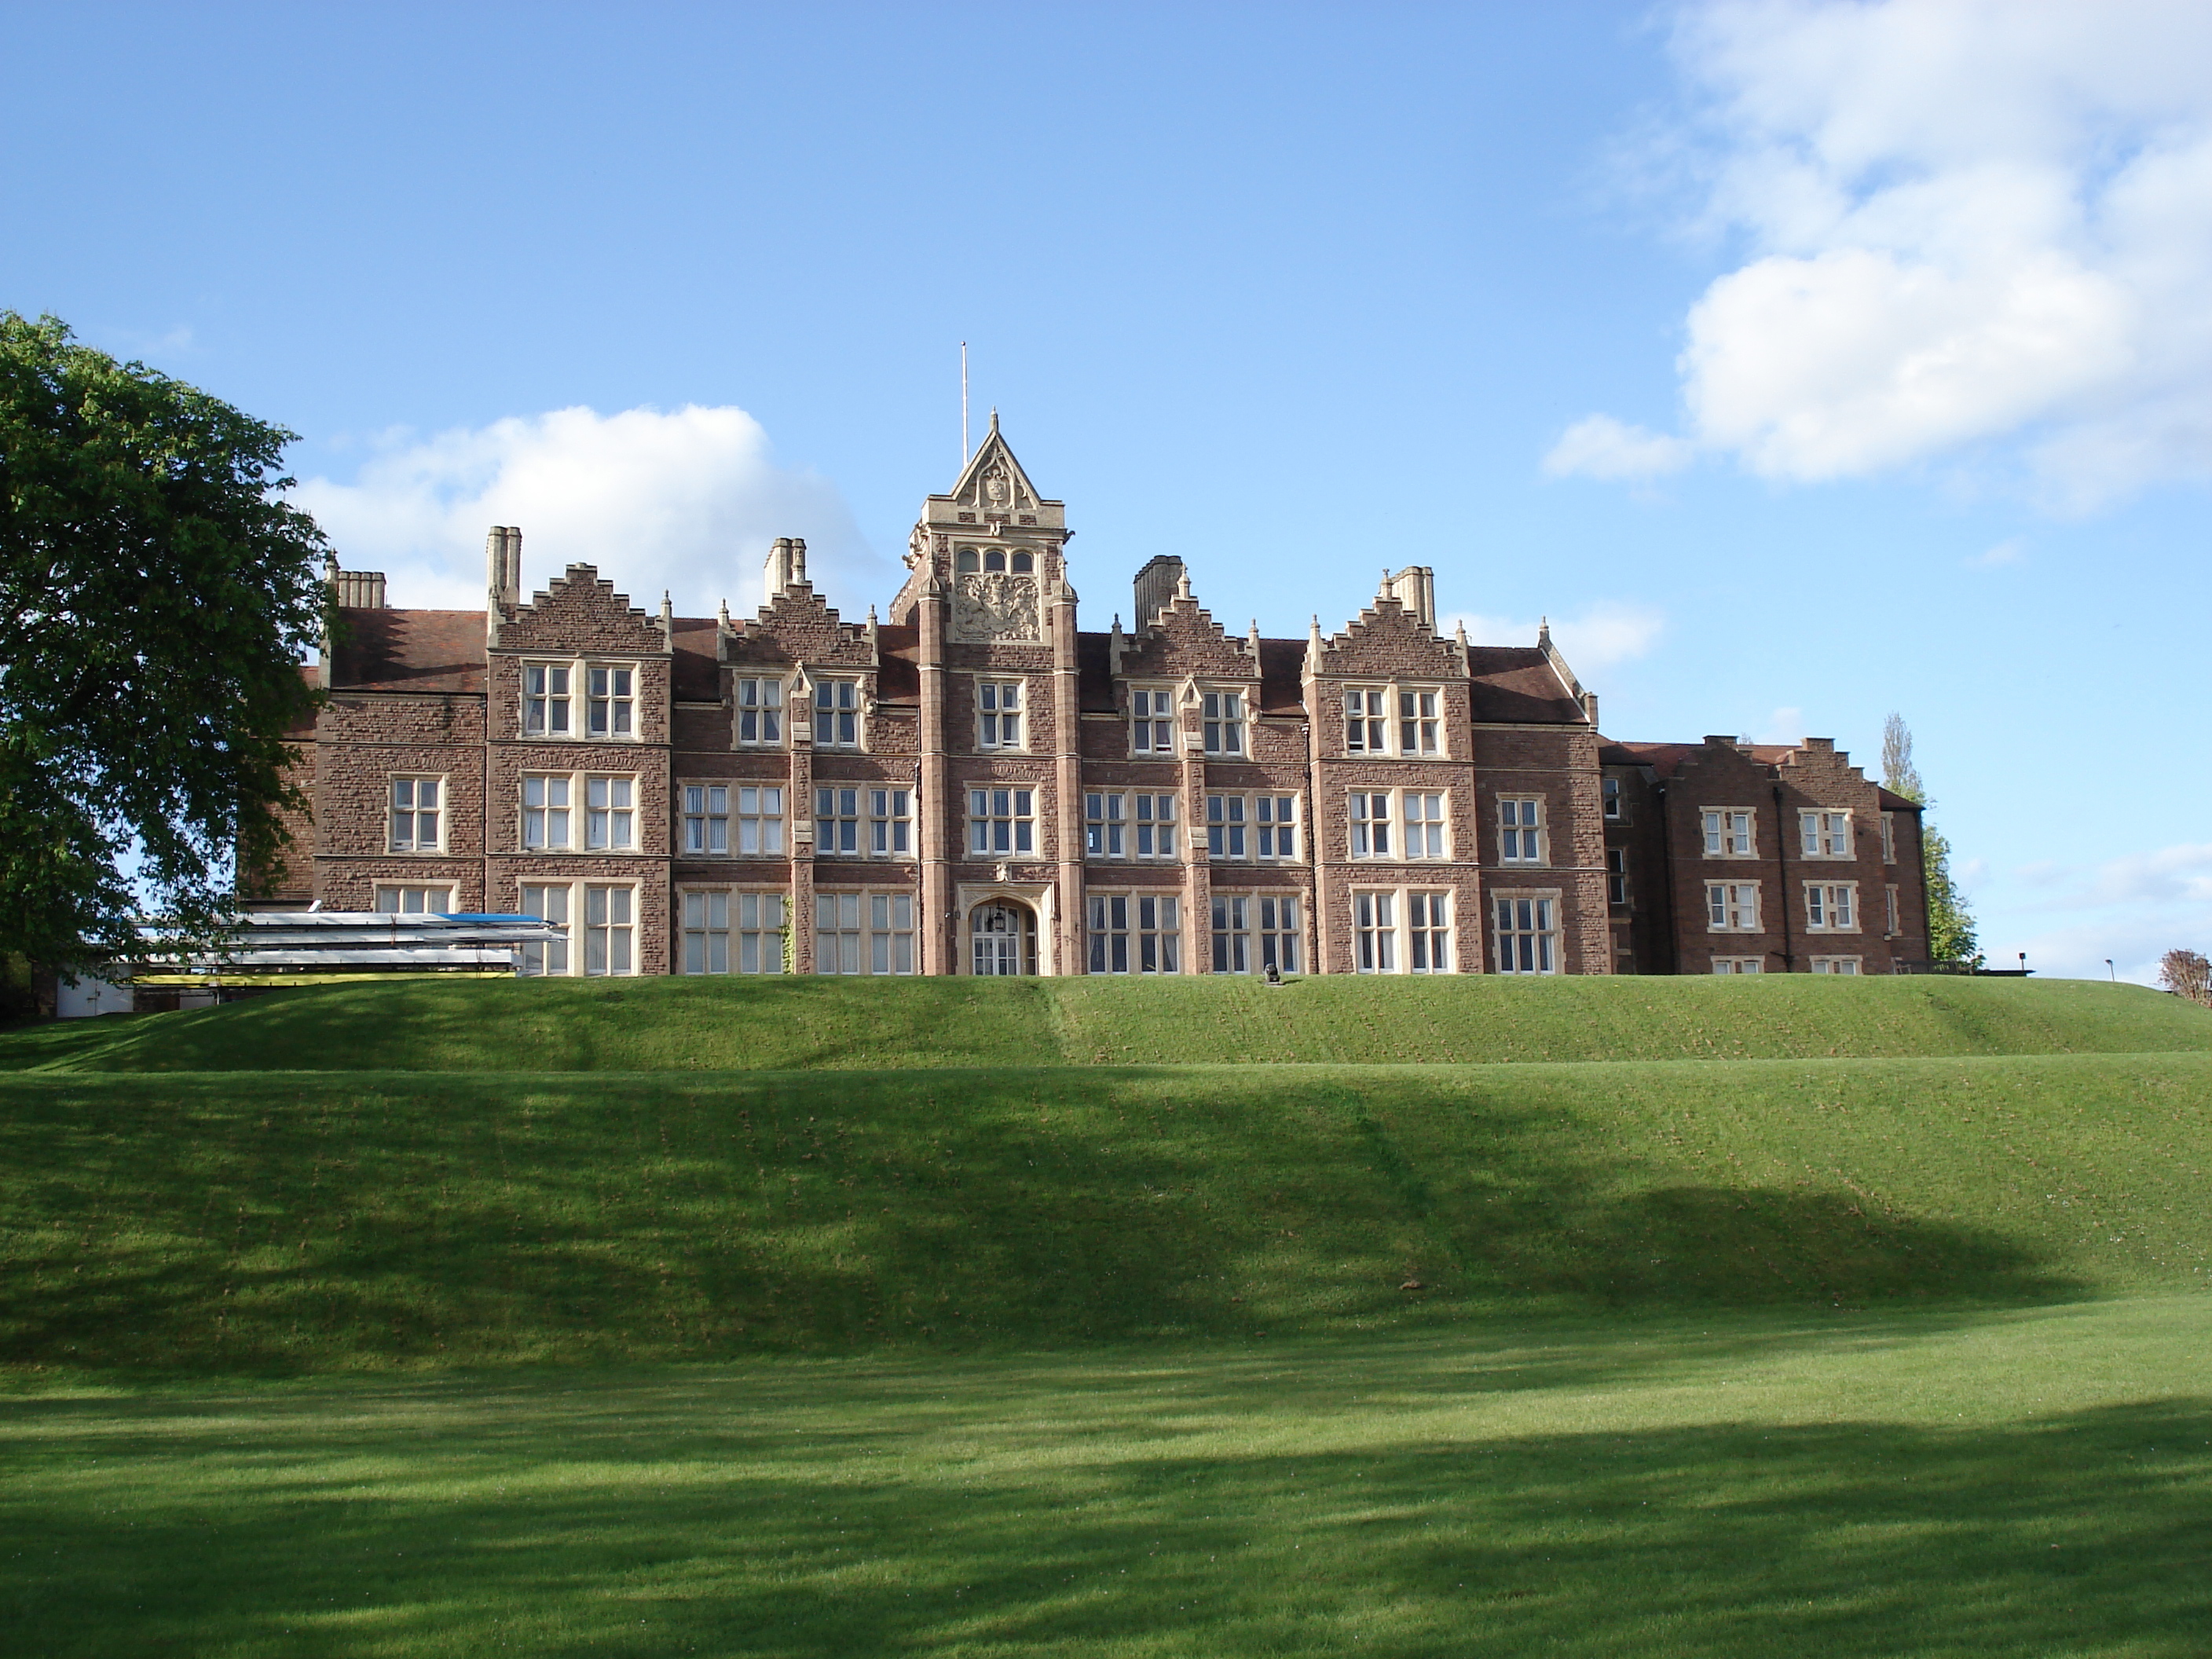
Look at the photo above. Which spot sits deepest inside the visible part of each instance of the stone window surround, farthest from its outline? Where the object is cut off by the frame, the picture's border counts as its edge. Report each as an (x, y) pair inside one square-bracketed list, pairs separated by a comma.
[(577, 697)]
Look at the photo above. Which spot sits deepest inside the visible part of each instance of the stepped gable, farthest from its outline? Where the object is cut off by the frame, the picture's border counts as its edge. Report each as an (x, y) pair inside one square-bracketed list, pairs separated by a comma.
[(1386, 639), (1818, 767), (1717, 755), (381, 650), (1518, 685), (799, 626), (580, 611), (1184, 640)]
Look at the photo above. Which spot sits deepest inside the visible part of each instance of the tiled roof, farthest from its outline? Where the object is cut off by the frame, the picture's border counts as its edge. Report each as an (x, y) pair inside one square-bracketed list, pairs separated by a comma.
[(694, 675), (1893, 802), (410, 651), (1515, 684)]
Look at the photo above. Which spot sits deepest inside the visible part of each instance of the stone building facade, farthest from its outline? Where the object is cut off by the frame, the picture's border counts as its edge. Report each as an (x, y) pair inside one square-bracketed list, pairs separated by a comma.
[(976, 785)]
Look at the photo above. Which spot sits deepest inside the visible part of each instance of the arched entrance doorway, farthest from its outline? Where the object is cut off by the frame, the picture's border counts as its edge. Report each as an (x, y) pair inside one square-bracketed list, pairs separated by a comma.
[(1002, 937)]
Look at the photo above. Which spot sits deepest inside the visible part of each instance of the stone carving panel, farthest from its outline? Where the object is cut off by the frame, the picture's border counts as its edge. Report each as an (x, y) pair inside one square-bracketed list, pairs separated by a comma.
[(991, 604)]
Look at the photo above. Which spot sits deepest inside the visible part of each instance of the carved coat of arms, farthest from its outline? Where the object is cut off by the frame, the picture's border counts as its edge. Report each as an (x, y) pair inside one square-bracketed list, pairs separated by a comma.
[(991, 604)]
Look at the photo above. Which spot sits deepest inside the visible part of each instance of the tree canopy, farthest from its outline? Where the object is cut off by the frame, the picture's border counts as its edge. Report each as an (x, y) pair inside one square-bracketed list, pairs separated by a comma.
[(156, 596), (1951, 933)]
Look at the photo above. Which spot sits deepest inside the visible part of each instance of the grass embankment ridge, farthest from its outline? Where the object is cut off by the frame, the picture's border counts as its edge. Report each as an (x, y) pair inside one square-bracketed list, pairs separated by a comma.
[(333, 1222), (780, 1024)]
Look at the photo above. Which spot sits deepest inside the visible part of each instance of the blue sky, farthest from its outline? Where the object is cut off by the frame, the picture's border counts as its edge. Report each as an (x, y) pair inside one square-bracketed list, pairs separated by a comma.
[(1802, 362)]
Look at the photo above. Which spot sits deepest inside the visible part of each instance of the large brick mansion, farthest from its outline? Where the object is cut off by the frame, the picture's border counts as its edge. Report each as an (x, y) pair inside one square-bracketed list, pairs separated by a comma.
[(977, 785)]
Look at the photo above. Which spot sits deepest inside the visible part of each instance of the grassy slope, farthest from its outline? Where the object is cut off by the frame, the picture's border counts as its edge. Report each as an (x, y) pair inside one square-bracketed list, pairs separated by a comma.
[(297, 1221), (676, 1024)]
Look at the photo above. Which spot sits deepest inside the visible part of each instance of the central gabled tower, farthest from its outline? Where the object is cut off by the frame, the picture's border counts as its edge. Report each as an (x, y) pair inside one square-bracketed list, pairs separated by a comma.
[(992, 545)]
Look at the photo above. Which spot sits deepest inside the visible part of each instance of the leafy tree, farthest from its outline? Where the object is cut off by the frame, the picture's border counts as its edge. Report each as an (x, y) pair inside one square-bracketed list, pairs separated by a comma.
[(2186, 973), (156, 595), (1950, 923)]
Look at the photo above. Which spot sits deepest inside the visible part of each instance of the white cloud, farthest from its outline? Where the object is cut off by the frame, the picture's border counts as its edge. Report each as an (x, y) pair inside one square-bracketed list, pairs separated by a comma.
[(686, 500), (1994, 558), (1966, 224), (1602, 448), (2070, 918), (1598, 639)]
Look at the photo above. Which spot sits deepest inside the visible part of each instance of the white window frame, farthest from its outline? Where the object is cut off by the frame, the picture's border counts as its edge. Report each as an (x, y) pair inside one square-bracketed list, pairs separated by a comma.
[(706, 818), (1366, 720), (549, 701), (413, 811), (1374, 930), (1105, 824), (1135, 933), (1420, 721), (1616, 876), (1231, 933), (759, 709), (1255, 931), (611, 927), (549, 785), (1524, 932), (611, 702), (749, 923), (836, 707), (609, 812), (1831, 907), (549, 958), (1275, 829), (890, 822), (1001, 813), (1152, 722), (1893, 905), (1001, 711), (868, 932), (1739, 965), (1844, 967), (1889, 837), (1614, 798), (1732, 906), (1425, 824), (756, 815), (839, 810), (1524, 835), (1429, 929), (1370, 812), (1731, 832), (1154, 824), (1823, 833), (1222, 723), (1227, 834), (420, 893), (553, 686)]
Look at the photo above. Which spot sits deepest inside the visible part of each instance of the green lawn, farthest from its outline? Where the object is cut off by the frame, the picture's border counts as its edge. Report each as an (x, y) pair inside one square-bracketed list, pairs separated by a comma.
[(1820, 1318), (2034, 1482), (692, 1025)]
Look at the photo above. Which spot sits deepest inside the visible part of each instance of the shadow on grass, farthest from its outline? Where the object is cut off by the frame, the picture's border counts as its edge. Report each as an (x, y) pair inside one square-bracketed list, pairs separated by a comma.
[(236, 1224), (687, 1518)]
